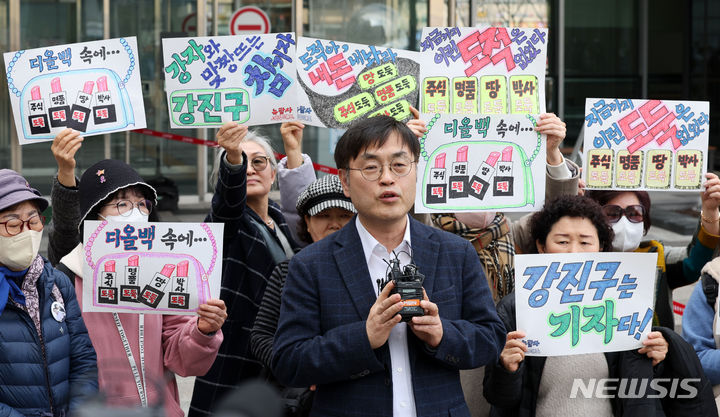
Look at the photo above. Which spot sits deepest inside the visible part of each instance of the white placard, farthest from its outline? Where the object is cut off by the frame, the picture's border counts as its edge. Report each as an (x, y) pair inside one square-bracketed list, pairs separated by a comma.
[(653, 145), (573, 303), (487, 70), (92, 87), (162, 268), (342, 83), (480, 162), (247, 79)]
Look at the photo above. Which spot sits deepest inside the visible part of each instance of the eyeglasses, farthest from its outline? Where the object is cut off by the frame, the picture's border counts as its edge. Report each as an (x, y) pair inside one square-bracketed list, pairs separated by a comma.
[(373, 170), (16, 226), (259, 163), (634, 213), (124, 207)]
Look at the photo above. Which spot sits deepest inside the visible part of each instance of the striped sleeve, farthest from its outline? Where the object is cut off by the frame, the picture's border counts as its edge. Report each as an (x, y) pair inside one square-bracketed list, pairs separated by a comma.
[(266, 322)]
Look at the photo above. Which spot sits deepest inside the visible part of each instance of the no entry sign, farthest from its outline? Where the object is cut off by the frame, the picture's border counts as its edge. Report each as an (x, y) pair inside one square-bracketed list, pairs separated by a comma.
[(249, 19)]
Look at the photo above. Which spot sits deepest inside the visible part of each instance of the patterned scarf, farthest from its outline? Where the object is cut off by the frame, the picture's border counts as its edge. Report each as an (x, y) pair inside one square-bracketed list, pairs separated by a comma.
[(30, 290), (495, 247)]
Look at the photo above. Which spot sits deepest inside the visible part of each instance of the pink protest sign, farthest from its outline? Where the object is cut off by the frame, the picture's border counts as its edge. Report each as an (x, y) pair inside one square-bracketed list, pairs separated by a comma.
[(163, 268)]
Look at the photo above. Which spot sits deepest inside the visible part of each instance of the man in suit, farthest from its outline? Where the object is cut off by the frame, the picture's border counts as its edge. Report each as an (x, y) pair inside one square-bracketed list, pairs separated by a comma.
[(338, 333)]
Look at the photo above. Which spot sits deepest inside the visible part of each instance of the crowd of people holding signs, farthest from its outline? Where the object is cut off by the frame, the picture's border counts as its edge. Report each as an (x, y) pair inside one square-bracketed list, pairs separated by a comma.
[(397, 287)]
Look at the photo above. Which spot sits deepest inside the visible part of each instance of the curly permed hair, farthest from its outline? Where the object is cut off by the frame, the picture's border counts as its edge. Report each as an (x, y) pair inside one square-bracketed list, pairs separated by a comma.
[(571, 206)]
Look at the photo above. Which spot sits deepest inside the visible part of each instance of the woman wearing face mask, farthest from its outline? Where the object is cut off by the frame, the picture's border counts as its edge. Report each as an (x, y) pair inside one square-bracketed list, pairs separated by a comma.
[(520, 385), (47, 363), (494, 238), (186, 345), (629, 215)]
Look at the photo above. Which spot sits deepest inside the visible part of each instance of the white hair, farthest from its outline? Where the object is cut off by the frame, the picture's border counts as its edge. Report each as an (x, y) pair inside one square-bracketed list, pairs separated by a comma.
[(251, 136), (265, 144)]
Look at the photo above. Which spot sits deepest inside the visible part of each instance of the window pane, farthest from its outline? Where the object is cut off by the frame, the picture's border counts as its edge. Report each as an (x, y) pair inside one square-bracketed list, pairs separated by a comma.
[(601, 55)]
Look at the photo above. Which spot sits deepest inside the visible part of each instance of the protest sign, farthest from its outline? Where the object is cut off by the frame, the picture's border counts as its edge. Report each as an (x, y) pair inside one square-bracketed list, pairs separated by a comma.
[(91, 87), (489, 70), (573, 303), (499, 164), (342, 83), (163, 268), (658, 145), (247, 79)]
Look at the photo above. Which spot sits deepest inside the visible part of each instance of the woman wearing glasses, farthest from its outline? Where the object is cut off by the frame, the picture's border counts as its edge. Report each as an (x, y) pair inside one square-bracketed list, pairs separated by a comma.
[(520, 385), (47, 363), (628, 213), (159, 345), (257, 238)]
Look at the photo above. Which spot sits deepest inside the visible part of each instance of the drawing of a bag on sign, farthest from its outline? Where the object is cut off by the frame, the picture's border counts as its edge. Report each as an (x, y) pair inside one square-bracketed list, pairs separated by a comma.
[(479, 167), (101, 105), (162, 281)]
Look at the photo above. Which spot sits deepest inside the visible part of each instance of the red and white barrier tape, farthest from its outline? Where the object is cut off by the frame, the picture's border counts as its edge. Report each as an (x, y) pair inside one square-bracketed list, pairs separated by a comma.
[(179, 138), (211, 143), (678, 308)]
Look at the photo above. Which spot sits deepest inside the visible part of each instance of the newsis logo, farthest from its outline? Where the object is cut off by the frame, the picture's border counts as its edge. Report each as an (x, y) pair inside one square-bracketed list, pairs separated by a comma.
[(635, 388)]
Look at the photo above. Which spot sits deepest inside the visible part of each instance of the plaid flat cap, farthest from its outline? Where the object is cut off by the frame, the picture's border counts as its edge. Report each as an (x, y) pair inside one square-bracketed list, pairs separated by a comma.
[(323, 193)]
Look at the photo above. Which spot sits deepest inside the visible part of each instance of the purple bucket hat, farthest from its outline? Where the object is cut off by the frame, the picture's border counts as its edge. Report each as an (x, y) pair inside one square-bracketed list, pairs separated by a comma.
[(15, 189)]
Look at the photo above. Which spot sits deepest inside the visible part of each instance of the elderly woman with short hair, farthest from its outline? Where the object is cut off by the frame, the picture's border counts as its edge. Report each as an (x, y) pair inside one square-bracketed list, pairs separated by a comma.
[(256, 239), (47, 362), (520, 385)]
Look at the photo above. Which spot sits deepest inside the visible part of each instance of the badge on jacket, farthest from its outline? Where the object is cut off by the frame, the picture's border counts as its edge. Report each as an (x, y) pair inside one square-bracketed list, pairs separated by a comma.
[(58, 311)]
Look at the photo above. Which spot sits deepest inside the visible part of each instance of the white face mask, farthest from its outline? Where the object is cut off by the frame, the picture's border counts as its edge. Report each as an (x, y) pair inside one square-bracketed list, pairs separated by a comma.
[(18, 252), (479, 220), (135, 216), (627, 235)]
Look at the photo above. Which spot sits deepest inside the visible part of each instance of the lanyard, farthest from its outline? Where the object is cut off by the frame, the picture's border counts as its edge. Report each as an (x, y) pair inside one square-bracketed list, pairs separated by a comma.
[(131, 358)]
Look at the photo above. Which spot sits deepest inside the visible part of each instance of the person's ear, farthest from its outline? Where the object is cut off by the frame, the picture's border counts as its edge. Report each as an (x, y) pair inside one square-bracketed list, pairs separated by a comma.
[(345, 180), (540, 247)]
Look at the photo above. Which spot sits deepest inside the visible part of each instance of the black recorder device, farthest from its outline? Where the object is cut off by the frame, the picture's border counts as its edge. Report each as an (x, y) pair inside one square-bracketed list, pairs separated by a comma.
[(408, 283)]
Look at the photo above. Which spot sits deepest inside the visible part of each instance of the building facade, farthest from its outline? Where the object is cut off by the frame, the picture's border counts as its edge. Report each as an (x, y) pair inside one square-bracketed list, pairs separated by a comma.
[(663, 49)]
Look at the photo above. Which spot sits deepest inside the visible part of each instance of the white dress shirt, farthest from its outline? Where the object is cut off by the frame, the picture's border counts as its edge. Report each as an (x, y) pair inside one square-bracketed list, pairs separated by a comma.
[(375, 256)]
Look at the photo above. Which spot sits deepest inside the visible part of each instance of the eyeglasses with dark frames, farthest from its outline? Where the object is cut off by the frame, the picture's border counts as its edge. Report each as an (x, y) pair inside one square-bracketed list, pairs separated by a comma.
[(634, 213), (373, 170), (16, 226)]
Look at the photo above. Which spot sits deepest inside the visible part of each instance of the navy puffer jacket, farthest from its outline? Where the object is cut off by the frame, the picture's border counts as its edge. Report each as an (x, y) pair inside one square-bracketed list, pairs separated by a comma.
[(50, 377)]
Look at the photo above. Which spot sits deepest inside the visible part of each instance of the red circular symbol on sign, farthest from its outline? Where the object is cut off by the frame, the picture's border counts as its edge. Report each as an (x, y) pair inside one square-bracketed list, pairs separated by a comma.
[(188, 24), (249, 19)]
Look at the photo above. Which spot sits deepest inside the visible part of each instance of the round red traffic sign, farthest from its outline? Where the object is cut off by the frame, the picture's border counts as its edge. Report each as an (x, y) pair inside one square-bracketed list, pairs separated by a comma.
[(189, 23), (249, 19)]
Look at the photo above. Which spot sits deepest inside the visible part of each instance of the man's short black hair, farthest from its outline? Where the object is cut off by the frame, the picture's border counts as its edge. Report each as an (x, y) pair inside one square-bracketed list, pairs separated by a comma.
[(373, 132), (571, 206)]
